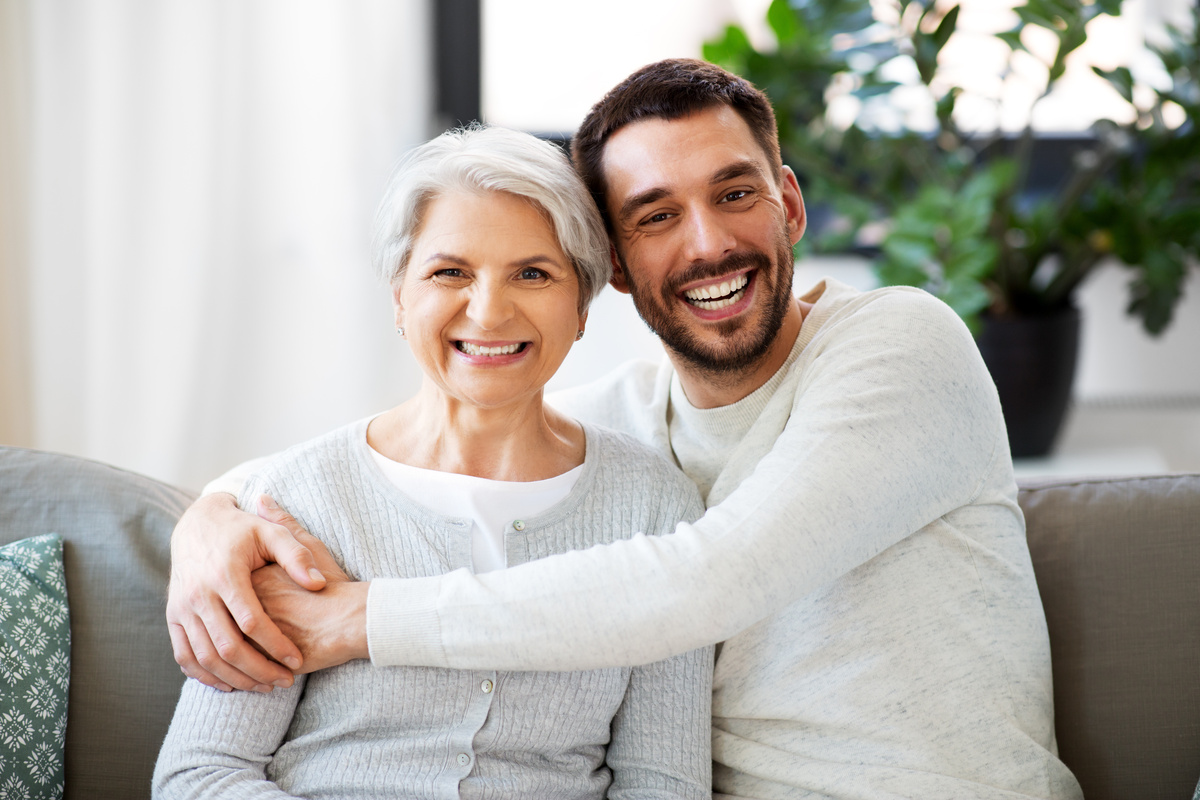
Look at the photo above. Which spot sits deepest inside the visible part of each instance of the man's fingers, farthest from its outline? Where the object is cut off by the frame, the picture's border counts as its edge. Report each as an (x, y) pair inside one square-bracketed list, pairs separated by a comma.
[(186, 659), (286, 549), (246, 611)]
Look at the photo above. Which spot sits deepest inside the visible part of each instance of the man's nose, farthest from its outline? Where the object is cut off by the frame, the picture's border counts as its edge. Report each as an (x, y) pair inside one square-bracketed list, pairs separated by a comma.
[(708, 237), (490, 305)]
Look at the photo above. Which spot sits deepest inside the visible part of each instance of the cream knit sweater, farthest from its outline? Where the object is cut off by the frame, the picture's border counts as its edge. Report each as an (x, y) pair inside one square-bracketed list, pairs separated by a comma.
[(863, 559)]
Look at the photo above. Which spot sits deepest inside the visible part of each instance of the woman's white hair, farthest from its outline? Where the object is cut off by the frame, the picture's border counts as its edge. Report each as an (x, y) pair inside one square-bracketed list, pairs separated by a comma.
[(489, 159)]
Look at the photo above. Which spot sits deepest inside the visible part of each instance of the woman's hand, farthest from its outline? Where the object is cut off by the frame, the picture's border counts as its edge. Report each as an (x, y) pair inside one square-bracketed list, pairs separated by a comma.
[(211, 605), (329, 626)]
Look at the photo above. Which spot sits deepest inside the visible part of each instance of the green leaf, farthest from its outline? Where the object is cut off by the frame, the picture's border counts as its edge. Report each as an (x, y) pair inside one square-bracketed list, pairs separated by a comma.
[(1012, 39), (783, 21), (1120, 78), (730, 51), (945, 28)]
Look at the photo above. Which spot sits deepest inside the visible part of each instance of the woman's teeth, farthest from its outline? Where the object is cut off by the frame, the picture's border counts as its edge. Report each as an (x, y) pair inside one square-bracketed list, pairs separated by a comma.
[(717, 296), (476, 350)]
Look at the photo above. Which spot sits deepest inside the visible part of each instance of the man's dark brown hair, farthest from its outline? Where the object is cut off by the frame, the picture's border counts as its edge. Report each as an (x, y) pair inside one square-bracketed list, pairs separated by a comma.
[(669, 89)]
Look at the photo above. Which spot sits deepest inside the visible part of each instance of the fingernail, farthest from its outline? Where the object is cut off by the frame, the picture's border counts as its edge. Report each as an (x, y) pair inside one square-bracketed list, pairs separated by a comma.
[(263, 688), (315, 574), (224, 687), (268, 502), (292, 663), (283, 684)]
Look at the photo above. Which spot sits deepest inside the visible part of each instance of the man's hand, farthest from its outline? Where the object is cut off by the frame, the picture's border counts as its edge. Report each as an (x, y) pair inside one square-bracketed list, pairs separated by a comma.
[(211, 602)]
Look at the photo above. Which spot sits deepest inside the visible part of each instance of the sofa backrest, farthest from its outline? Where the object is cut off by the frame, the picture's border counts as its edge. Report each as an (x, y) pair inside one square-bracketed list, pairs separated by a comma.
[(1118, 566), (1117, 562), (116, 528)]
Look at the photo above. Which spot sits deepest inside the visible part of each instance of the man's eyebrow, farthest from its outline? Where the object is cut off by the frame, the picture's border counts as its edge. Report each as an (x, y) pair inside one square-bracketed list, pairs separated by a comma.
[(631, 205), (745, 168), (738, 169)]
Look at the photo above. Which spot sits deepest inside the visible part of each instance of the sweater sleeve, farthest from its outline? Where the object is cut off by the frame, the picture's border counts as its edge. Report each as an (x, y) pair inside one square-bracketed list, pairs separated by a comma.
[(895, 423), (219, 744)]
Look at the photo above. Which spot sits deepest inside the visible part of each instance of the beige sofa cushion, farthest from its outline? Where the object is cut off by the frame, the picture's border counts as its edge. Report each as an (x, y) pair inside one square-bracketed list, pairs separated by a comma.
[(1118, 565)]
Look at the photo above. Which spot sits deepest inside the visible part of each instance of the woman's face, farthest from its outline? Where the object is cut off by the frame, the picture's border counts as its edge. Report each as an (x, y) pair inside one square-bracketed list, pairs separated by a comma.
[(489, 301)]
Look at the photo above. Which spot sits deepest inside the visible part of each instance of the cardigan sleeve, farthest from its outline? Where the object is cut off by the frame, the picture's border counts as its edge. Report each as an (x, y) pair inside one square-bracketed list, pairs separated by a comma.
[(895, 423), (219, 743), (661, 745)]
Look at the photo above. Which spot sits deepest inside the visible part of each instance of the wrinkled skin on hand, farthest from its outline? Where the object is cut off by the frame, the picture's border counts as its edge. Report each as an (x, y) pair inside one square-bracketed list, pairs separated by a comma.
[(328, 625), (213, 614)]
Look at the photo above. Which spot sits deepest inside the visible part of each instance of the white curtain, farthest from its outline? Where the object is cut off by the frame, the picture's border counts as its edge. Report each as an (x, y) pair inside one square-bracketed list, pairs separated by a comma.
[(202, 176)]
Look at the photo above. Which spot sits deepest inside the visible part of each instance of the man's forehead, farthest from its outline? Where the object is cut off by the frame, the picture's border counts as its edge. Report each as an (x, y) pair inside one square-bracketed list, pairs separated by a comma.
[(697, 146)]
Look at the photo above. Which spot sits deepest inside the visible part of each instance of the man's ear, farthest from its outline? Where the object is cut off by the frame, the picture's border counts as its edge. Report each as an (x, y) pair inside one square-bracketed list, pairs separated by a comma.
[(793, 203), (617, 281)]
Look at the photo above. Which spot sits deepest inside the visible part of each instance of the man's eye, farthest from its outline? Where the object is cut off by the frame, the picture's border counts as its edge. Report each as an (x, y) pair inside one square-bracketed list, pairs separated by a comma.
[(736, 194), (654, 218)]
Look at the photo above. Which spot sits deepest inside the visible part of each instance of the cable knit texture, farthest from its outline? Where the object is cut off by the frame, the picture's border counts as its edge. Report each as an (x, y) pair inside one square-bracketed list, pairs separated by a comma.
[(358, 731), (863, 557)]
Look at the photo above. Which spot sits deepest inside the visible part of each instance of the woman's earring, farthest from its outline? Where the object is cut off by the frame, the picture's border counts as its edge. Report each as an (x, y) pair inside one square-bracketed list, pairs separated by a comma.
[(400, 330), (579, 335)]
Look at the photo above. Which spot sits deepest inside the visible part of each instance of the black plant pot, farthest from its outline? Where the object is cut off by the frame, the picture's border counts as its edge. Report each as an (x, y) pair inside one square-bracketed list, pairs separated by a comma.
[(1032, 361)]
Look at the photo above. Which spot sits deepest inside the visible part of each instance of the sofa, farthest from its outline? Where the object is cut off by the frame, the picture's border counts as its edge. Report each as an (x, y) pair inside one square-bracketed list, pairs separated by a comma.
[(1117, 562)]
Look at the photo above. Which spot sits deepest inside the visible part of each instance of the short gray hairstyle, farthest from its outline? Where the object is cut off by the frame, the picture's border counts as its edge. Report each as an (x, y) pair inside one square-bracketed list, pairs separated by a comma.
[(479, 159)]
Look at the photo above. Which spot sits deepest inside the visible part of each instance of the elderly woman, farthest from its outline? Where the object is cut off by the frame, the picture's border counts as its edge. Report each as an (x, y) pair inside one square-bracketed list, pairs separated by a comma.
[(493, 250)]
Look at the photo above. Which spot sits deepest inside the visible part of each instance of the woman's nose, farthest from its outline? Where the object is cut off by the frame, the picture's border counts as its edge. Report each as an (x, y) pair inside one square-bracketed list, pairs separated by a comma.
[(708, 238), (490, 306)]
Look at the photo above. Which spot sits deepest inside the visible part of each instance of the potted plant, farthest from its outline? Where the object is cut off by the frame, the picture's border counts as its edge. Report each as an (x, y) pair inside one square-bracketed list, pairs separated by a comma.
[(969, 214)]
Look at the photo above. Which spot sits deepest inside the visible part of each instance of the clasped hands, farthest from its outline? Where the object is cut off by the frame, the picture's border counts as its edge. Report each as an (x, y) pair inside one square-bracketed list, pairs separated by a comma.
[(255, 599)]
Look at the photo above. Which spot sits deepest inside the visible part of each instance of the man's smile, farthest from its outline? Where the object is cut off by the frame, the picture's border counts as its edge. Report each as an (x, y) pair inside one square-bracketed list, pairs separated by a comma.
[(718, 294)]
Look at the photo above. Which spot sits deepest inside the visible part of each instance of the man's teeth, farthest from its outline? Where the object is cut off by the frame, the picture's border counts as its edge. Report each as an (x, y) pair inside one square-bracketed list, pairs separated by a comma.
[(476, 350), (720, 295)]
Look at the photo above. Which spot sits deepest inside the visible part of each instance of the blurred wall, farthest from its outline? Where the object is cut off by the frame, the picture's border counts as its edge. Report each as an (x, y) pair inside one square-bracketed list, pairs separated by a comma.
[(202, 177)]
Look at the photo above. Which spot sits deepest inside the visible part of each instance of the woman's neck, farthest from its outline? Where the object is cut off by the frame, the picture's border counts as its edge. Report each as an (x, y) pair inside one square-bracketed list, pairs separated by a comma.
[(524, 441)]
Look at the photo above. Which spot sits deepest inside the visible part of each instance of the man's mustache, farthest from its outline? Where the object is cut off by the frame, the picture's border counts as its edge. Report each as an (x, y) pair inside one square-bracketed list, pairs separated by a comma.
[(702, 270)]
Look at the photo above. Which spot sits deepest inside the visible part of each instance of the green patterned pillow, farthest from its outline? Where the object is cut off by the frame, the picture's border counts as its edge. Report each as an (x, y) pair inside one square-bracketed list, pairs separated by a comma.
[(35, 666)]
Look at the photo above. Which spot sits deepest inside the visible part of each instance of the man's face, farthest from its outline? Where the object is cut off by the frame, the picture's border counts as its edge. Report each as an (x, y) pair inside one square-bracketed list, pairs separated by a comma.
[(703, 235)]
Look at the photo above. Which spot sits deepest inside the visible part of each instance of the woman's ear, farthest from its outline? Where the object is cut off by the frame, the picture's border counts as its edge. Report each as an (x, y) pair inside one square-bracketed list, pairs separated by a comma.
[(397, 304), (582, 322)]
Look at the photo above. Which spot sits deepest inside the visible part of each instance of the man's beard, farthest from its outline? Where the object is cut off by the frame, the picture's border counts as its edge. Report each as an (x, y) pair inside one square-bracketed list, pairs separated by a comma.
[(734, 352)]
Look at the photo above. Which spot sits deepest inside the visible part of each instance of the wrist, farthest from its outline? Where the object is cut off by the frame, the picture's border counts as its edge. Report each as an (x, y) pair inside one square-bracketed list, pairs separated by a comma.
[(351, 634)]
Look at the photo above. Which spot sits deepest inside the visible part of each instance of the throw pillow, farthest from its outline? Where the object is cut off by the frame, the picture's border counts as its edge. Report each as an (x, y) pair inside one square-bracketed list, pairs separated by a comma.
[(35, 666)]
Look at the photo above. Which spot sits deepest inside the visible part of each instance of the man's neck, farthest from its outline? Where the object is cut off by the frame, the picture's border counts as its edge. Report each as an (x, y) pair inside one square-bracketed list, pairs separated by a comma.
[(705, 389)]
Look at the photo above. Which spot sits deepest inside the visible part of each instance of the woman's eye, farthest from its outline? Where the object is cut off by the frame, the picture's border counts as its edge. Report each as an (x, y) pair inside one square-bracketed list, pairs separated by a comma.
[(449, 272), (532, 274)]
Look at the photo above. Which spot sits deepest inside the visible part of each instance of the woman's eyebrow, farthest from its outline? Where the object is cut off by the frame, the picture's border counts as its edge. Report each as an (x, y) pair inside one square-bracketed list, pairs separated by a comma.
[(453, 259)]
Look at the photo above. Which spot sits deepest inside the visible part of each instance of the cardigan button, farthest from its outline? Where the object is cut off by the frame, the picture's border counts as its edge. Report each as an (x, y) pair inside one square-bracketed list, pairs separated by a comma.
[(487, 686), (464, 759), (519, 525)]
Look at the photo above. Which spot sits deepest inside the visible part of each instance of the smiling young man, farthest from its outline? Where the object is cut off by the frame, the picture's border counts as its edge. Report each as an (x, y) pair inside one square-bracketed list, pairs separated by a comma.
[(862, 559)]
